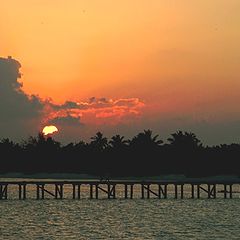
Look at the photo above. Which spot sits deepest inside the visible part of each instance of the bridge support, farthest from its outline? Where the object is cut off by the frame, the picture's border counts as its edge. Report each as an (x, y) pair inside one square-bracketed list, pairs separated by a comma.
[(22, 191), (147, 188), (210, 190), (110, 191), (3, 192), (228, 192), (176, 190), (58, 191)]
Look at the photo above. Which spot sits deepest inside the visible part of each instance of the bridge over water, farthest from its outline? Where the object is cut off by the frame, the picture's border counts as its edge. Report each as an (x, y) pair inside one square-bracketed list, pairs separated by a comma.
[(109, 189)]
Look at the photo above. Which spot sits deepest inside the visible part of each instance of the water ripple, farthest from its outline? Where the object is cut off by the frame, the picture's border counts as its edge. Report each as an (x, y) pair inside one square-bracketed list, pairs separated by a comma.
[(120, 219)]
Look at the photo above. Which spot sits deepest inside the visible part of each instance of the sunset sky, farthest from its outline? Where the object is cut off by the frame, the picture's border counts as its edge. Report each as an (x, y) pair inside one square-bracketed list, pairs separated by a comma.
[(123, 66)]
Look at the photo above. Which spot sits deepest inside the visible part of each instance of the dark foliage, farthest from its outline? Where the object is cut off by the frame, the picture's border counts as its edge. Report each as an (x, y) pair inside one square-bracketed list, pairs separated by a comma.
[(143, 155)]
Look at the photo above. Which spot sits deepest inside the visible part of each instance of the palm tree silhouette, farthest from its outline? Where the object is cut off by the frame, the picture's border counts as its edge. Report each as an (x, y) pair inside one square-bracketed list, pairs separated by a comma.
[(118, 142), (99, 142), (186, 139), (182, 154), (146, 138), (40, 142)]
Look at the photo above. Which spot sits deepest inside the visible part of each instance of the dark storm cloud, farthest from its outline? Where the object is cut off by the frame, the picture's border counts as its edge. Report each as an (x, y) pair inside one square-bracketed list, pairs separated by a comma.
[(14, 103), (18, 110)]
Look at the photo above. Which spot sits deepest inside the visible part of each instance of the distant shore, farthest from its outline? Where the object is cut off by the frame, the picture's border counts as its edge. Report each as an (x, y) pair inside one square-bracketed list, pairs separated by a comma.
[(87, 176)]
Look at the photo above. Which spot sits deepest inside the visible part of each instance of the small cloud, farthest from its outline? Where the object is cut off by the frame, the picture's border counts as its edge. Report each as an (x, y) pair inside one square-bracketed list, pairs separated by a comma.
[(98, 108), (68, 120)]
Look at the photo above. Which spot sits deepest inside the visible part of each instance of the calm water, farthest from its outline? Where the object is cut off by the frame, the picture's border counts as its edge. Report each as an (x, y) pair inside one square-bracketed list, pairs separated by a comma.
[(120, 219)]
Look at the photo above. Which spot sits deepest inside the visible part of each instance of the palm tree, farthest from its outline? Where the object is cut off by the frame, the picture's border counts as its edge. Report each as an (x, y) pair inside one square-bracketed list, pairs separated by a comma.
[(6, 143), (146, 138), (186, 139), (99, 142), (118, 142), (40, 142)]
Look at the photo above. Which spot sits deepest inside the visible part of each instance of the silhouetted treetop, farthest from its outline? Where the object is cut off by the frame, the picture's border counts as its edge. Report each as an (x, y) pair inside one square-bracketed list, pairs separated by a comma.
[(99, 142), (186, 139), (146, 138), (118, 142), (143, 155)]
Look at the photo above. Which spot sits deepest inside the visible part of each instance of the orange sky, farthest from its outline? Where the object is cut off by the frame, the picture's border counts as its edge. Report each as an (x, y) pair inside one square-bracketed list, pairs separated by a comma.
[(179, 57)]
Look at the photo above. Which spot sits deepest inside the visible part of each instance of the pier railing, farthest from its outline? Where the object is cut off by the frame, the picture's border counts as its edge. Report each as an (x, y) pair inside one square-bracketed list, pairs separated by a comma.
[(148, 189)]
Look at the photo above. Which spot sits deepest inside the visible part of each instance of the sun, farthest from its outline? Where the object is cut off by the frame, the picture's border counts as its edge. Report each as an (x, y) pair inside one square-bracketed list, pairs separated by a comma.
[(49, 130)]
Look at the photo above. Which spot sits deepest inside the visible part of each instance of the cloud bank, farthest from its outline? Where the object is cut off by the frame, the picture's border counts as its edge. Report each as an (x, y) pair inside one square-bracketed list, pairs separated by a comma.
[(23, 115)]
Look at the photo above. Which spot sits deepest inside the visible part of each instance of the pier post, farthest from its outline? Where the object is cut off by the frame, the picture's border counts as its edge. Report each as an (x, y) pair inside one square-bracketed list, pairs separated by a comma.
[(24, 191), (109, 191), (230, 191), (56, 191), (209, 191), (159, 191), (142, 190), (42, 188), (59, 191), (91, 191), (225, 191), (3, 192), (192, 191), (74, 191), (38, 192), (79, 191), (162, 191), (114, 191), (148, 191), (96, 191), (125, 191), (21, 191), (176, 191), (165, 191), (198, 191), (131, 191), (214, 191), (182, 189)]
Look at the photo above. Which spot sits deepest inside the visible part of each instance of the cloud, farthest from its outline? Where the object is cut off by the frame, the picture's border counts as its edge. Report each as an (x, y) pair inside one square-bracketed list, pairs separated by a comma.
[(14, 103), (97, 110), (68, 120), (18, 109), (23, 115)]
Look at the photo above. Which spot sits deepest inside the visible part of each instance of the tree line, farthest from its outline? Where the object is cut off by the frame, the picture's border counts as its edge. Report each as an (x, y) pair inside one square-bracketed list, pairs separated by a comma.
[(143, 155)]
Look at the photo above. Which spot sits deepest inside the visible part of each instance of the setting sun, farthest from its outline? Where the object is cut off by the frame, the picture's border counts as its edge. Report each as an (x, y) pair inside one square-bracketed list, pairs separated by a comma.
[(49, 130)]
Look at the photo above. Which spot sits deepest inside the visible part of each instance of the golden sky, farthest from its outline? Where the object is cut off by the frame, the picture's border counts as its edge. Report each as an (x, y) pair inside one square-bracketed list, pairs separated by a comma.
[(180, 57)]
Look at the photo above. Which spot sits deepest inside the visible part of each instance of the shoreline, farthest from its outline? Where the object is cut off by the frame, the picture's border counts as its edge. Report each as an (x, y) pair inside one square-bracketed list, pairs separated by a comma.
[(88, 176)]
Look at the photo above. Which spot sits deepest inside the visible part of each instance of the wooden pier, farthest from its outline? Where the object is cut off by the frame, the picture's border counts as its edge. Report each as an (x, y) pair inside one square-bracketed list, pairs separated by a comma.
[(108, 189)]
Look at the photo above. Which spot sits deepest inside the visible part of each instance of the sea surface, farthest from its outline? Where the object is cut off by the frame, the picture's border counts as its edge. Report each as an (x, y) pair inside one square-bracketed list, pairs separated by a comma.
[(119, 218)]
